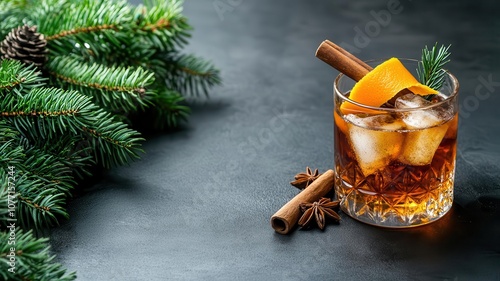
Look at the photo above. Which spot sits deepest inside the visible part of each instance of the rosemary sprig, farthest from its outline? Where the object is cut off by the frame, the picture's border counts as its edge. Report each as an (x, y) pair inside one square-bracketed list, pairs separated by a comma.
[(430, 69)]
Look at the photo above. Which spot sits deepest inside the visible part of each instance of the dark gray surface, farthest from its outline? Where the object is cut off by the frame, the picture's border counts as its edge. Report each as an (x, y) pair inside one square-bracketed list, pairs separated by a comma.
[(197, 206)]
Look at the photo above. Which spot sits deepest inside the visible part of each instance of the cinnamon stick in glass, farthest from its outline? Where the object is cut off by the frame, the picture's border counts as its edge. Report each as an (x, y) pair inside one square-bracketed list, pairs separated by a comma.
[(285, 219), (342, 60), (350, 65)]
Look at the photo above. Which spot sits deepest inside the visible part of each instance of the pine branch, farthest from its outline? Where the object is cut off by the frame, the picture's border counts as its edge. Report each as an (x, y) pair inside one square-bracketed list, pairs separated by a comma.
[(14, 3), (115, 88), (4, 195), (11, 154), (39, 203), (74, 152), (7, 23), (161, 24), (49, 170), (36, 165), (7, 133), (430, 69), (85, 16), (33, 259), (168, 110), (50, 113), (91, 29), (18, 78), (133, 53), (56, 111), (10, 16), (79, 30), (188, 74), (111, 54), (71, 151), (83, 27)]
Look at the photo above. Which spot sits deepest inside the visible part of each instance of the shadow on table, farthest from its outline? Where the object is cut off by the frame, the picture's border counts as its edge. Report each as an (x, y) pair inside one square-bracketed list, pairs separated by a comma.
[(463, 245)]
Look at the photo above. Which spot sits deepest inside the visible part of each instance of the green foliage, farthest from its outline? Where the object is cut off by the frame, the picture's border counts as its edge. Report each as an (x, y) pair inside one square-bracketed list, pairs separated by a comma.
[(40, 198), (108, 63), (430, 69), (59, 17), (10, 15), (58, 112), (189, 74), (161, 24), (33, 260), (17, 78), (115, 88), (168, 109), (83, 25), (73, 151)]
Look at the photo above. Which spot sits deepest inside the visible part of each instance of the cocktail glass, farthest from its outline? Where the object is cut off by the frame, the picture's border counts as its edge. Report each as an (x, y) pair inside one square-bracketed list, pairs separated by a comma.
[(395, 167)]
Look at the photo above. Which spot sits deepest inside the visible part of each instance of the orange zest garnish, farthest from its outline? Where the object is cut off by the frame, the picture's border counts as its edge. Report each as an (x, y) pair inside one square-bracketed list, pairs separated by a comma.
[(383, 83), (379, 86)]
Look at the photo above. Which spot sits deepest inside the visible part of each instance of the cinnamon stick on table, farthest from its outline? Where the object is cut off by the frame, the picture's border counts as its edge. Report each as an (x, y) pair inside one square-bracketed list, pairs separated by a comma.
[(285, 219)]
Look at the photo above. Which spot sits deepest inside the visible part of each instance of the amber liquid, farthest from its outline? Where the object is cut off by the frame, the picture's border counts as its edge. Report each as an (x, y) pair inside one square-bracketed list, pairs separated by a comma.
[(398, 194)]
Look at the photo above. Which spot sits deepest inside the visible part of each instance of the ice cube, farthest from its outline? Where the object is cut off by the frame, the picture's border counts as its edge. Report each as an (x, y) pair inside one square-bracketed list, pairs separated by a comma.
[(420, 145), (375, 140), (411, 101), (426, 129), (420, 119)]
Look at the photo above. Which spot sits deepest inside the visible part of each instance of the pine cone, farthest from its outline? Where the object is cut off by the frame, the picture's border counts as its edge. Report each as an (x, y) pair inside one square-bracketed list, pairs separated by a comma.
[(25, 44)]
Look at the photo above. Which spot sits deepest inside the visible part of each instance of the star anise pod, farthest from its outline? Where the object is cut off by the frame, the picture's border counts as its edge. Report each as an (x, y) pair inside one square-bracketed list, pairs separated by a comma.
[(303, 180), (320, 211)]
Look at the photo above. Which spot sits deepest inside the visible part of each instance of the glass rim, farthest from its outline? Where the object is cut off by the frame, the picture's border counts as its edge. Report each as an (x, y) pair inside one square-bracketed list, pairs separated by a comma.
[(338, 93)]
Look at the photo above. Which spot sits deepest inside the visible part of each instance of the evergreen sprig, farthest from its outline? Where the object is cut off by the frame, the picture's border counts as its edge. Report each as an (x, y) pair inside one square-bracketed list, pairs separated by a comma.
[(18, 78), (83, 24), (4, 199), (191, 75), (10, 15), (47, 113), (430, 69), (73, 151), (33, 259), (162, 24), (40, 202), (115, 88), (68, 150), (7, 132), (49, 170), (169, 110), (40, 206), (84, 16), (109, 64)]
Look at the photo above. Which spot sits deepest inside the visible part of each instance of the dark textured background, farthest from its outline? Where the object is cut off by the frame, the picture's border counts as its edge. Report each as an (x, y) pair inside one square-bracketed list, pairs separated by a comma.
[(197, 206)]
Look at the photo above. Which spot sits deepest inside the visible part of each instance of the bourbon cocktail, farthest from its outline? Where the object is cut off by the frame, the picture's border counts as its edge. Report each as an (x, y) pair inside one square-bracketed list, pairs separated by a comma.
[(395, 164)]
